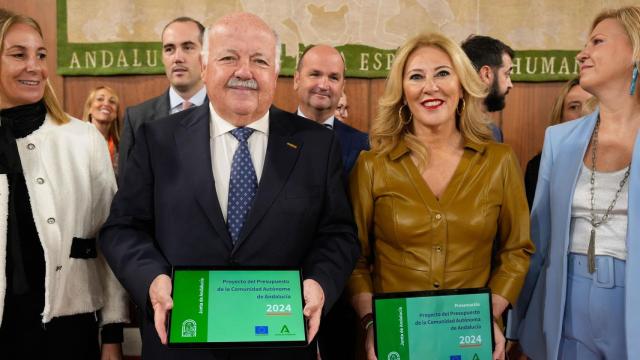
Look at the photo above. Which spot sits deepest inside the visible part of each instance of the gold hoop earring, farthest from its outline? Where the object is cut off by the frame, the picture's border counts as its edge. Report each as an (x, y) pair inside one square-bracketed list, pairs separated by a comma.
[(402, 118), (459, 110)]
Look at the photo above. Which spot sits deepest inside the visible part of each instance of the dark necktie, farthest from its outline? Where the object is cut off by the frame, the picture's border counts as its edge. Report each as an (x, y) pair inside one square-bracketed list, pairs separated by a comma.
[(243, 184)]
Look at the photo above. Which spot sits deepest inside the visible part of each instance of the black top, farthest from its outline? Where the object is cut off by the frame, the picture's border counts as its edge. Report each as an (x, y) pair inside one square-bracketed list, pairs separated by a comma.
[(531, 178), (25, 257)]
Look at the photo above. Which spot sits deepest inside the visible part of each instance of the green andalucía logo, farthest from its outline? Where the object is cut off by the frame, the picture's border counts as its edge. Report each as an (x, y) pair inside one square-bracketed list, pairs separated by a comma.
[(189, 328), (285, 330)]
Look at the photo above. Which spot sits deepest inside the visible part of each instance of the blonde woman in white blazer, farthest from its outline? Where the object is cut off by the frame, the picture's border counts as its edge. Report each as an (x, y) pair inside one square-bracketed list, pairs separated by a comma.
[(56, 186)]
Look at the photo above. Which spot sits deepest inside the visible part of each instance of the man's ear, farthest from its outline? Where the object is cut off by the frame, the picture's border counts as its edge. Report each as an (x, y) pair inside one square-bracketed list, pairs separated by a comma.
[(486, 74), (203, 73), (296, 80)]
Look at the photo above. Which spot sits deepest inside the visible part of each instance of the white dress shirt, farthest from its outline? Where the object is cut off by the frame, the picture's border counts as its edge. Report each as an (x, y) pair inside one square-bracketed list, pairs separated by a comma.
[(175, 100), (328, 122), (223, 145)]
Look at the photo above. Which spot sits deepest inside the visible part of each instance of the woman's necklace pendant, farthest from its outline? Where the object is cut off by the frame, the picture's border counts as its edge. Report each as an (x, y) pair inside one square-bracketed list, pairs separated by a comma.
[(591, 252)]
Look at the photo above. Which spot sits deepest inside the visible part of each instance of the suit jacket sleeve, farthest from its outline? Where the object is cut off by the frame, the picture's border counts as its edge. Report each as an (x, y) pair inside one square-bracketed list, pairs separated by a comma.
[(127, 238), (335, 247), (127, 139), (540, 235)]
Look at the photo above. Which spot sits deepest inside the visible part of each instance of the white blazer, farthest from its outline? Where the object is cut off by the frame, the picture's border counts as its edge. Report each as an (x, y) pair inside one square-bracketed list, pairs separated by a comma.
[(70, 182)]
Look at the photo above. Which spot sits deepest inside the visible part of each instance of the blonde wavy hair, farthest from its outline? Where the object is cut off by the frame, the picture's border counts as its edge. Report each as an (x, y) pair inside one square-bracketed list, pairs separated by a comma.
[(629, 18), (557, 111), (7, 20), (390, 126), (114, 129)]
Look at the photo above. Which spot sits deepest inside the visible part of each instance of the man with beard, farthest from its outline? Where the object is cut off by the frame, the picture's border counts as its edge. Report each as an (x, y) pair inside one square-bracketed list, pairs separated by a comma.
[(494, 61)]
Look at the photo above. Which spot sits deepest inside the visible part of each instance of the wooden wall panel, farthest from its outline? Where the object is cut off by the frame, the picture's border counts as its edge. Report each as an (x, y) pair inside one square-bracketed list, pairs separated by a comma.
[(284, 97), (523, 120), (359, 98), (526, 116), (132, 90)]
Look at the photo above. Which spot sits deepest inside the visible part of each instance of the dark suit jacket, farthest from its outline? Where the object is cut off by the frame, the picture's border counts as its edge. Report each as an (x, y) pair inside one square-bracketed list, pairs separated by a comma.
[(134, 116), (352, 141), (496, 132), (167, 213)]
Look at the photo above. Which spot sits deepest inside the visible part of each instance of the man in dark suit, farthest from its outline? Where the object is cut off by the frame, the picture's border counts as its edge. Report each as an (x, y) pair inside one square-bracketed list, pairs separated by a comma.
[(319, 83), (181, 48), (183, 202), (493, 60)]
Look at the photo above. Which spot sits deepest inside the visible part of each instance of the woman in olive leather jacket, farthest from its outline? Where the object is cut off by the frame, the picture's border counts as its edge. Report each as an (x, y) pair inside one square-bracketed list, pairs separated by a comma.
[(435, 193)]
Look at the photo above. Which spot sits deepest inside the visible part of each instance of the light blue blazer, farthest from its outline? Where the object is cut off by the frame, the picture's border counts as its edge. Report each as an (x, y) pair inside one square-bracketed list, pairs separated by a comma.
[(539, 314)]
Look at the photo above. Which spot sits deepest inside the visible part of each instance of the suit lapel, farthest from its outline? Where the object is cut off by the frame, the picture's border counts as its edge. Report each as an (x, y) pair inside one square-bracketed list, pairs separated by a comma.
[(162, 106), (343, 136), (192, 141), (281, 156)]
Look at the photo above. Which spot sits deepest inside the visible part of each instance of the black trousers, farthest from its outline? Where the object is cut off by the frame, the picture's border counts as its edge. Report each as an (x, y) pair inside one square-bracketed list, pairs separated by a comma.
[(337, 336), (23, 336)]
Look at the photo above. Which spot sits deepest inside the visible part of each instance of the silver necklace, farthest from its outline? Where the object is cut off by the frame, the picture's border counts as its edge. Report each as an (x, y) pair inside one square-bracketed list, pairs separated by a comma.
[(591, 252)]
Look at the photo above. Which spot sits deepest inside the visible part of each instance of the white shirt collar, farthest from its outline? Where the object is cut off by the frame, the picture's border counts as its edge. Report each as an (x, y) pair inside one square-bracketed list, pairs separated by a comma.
[(176, 100), (328, 121), (220, 126)]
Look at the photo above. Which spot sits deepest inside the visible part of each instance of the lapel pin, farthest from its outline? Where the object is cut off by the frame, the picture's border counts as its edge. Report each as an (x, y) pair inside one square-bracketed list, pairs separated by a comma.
[(292, 145)]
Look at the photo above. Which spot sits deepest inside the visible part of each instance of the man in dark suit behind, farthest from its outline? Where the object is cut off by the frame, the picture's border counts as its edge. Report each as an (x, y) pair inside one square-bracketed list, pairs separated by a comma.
[(179, 205), (319, 83), (181, 48)]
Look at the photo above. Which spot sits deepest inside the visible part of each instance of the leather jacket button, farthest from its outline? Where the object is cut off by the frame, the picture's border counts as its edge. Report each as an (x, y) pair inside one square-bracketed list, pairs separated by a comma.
[(40, 181), (31, 146), (438, 216), (438, 248), (51, 220), (436, 284)]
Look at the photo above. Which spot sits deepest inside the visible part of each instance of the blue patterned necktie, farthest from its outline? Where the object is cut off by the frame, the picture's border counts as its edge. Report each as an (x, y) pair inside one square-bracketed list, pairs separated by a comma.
[(242, 184)]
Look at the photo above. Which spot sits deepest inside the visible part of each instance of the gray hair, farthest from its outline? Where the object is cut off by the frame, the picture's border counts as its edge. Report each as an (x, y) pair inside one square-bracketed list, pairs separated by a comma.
[(205, 48)]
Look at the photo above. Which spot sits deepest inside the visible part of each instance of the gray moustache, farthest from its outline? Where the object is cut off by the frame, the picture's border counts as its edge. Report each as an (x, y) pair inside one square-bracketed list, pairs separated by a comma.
[(246, 84)]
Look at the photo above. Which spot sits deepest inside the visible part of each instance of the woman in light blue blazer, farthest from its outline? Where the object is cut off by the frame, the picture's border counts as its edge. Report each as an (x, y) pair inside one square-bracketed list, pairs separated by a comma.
[(581, 298)]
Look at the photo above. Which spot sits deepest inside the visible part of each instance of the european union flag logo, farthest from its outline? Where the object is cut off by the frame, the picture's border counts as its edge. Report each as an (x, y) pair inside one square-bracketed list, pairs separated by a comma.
[(455, 357), (262, 330)]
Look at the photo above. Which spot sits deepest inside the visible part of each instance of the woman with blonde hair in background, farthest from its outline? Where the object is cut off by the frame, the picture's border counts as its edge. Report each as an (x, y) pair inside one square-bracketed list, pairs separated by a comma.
[(56, 185), (570, 104), (581, 296), (101, 109), (435, 191)]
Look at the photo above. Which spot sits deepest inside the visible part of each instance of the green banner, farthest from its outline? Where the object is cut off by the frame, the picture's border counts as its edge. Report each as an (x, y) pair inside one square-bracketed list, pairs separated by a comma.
[(84, 56)]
